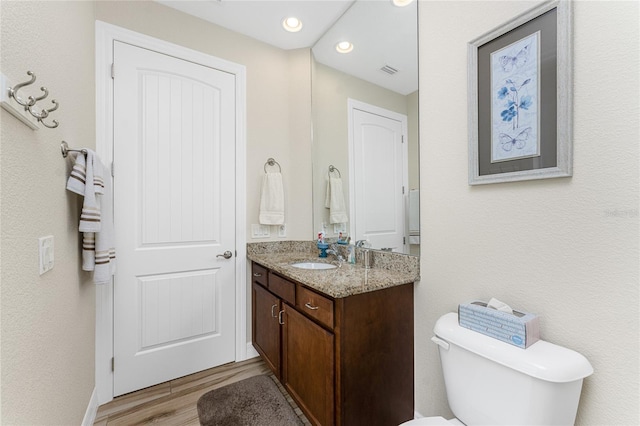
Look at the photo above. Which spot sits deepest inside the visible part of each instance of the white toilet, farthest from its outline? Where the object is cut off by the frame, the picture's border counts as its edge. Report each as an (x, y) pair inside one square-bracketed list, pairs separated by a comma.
[(490, 382)]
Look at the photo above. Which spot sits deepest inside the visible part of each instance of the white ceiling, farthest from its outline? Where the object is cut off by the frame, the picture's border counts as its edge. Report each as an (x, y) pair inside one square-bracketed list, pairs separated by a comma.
[(262, 19), (382, 34)]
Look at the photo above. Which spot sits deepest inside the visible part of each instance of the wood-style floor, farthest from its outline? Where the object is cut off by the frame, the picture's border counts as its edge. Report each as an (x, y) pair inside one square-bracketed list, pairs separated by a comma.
[(174, 403)]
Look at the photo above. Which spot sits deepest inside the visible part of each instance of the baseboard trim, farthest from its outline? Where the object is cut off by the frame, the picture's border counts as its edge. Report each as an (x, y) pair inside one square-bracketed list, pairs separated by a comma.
[(92, 410), (251, 351)]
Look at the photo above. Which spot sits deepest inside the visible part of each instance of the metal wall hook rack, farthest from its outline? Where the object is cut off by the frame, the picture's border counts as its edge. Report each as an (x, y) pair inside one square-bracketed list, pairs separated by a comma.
[(272, 162), (38, 113)]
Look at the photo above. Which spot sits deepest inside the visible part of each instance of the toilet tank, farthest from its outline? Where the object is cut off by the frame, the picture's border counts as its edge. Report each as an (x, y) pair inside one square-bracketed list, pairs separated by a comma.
[(490, 382)]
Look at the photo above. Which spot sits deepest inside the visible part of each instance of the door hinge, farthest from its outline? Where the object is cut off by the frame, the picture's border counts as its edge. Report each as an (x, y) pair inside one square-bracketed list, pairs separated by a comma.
[(113, 71), (404, 240), (113, 364), (402, 137), (112, 169), (402, 190)]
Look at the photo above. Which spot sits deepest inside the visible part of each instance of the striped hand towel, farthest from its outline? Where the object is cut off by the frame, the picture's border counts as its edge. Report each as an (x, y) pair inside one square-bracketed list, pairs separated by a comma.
[(96, 222), (103, 255), (88, 170)]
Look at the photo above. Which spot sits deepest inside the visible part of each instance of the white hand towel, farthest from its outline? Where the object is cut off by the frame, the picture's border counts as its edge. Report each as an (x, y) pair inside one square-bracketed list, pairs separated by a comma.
[(334, 201), (272, 200)]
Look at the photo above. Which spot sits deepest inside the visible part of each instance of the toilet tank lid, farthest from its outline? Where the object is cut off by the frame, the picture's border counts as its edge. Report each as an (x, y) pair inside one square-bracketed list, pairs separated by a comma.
[(542, 360)]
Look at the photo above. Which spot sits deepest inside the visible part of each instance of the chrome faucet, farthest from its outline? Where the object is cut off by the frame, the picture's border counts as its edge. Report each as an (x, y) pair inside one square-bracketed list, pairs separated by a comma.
[(361, 243), (335, 251)]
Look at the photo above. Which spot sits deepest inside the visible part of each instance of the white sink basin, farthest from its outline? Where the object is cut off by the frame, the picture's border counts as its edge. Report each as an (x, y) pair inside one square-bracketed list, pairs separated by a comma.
[(313, 265)]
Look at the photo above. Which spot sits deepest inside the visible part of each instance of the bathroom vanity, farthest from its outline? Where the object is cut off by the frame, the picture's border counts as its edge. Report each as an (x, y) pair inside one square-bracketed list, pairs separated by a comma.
[(339, 340)]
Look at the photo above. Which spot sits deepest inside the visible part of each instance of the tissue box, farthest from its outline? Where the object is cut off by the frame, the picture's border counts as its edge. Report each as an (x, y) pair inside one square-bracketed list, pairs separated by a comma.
[(519, 329)]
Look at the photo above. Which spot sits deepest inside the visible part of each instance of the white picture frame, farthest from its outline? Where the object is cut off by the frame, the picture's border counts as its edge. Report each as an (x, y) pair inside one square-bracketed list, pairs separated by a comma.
[(520, 98)]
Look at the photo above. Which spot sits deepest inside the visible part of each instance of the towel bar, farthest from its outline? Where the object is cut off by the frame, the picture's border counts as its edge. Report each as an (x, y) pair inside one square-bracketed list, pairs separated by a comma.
[(334, 169), (64, 148)]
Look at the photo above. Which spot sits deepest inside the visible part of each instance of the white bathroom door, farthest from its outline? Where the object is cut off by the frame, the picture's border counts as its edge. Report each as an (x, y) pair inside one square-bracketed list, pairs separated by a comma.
[(174, 185), (379, 175)]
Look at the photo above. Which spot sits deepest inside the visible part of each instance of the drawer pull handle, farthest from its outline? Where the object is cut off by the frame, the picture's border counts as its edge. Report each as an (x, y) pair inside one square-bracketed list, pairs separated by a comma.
[(257, 274), (272, 308), (280, 319), (313, 308)]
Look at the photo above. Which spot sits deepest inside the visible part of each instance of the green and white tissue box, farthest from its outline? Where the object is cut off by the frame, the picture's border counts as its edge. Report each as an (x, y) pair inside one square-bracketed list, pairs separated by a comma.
[(520, 329)]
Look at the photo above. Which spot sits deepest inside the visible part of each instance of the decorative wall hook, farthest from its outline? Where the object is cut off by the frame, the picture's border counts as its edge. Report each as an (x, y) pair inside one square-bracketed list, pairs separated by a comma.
[(38, 113), (13, 91)]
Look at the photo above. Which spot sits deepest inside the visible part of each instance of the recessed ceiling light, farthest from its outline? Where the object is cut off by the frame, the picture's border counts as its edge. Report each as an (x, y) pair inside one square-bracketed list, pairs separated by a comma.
[(401, 3), (292, 24), (344, 47)]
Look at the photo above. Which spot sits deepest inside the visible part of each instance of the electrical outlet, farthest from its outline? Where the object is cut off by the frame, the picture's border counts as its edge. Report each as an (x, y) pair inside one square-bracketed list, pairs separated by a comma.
[(45, 249), (282, 230)]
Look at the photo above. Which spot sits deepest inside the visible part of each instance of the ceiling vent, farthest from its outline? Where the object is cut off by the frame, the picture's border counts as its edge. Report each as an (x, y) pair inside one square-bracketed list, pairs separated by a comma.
[(389, 69)]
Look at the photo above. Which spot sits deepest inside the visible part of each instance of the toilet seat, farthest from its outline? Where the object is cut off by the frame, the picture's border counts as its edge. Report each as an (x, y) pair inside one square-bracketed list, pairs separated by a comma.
[(432, 421)]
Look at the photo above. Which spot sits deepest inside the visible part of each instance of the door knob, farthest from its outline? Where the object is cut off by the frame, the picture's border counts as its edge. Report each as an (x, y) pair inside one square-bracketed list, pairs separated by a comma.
[(227, 255)]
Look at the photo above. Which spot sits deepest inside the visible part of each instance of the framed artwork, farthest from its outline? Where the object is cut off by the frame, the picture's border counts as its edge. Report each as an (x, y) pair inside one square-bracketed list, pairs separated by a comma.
[(520, 98)]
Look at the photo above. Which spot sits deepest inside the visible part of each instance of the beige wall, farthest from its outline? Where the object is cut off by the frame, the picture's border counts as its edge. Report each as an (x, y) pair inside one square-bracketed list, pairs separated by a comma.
[(331, 90), (566, 249), (48, 321)]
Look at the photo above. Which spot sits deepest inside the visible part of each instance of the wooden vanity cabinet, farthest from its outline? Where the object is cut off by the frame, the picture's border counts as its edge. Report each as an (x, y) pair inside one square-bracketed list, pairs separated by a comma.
[(266, 328), (346, 361), (308, 366)]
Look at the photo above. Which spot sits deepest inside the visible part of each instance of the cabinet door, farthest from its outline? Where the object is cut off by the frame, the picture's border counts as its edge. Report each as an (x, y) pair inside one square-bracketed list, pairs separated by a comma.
[(308, 366), (266, 329)]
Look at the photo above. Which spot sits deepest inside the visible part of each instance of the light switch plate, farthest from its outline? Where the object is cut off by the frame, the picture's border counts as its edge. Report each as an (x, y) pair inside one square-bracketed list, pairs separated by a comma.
[(339, 227), (260, 231), (45, 249)]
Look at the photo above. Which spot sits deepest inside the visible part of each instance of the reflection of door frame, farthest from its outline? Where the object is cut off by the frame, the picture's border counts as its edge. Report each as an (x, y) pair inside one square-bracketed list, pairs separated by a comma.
[(106, 34), (352, 105)]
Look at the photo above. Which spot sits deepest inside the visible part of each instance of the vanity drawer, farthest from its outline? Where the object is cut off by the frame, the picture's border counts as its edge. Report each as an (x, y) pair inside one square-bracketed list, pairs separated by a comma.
[(282, 288), (259, 274), (315, 306)]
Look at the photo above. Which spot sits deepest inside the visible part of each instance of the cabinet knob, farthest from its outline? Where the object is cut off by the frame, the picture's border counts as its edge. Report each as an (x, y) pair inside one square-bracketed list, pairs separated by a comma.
[(273, 315), (256, 274), (280, 319)]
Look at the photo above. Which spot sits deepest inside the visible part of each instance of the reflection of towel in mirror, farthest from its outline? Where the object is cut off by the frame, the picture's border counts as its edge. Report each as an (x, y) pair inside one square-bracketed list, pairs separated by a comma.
[(334, 201), (272, 200)]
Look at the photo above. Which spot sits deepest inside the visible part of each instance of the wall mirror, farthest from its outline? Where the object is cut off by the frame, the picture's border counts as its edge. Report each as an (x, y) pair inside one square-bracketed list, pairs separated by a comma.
[(365, 126)]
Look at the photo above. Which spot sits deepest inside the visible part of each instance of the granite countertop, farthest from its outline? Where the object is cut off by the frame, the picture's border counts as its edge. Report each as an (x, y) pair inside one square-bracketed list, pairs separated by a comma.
[(347, 280)]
